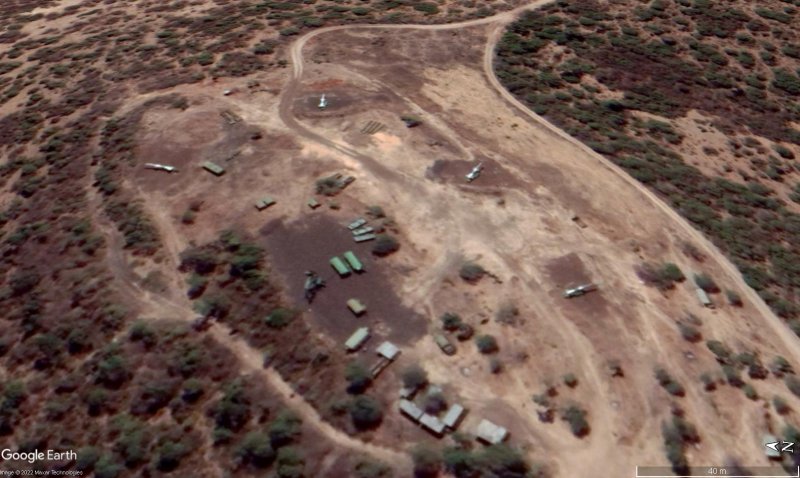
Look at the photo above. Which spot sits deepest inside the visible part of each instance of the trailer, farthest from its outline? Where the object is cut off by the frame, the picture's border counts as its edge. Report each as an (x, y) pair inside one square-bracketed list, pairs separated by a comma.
[(364, 237), (357, 223), (353, 261), (213, 168), (363, 230), (340, 267), (161, 167), (356, 306), (357, 339), (580, 290)]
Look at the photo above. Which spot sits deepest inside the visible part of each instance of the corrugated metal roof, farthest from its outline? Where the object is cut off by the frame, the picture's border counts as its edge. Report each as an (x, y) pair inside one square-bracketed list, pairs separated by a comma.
[(453, 415), (388, 350), (408, 408), (432, 423), (490, 433)]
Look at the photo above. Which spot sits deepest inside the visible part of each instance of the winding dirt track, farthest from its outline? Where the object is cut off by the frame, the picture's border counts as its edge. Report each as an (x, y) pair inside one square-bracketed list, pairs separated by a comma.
[(499, 22)]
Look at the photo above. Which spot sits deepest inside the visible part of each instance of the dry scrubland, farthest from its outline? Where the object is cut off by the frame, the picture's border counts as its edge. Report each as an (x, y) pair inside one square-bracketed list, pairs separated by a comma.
[(698, 100), (105, 264), (85, 364)]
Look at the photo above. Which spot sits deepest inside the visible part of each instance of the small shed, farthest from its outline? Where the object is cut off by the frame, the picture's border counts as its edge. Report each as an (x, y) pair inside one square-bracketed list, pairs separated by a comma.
[(340, 267), (453, 416), (264, 203), (213, 168), (432, 424), (489, 433), (353, 261), (703, 297), (356, 306), (409, 409), (357, 223), (357, 339), (388, 350), (313, 203)]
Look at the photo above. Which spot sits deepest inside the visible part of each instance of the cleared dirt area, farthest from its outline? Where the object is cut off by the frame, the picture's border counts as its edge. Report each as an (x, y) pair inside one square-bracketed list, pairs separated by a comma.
[(545, 214), (308, 246)]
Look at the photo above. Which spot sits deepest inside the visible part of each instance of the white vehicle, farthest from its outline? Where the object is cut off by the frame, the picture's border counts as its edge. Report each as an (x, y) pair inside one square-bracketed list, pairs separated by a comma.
[(323, 103), (161, 167), (579, 291), (476, 171)]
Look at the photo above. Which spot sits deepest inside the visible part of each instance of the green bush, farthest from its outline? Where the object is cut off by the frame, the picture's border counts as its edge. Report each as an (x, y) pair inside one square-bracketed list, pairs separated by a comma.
[(414, 377), (793, 384), (570, 380), (471, 272), (427, 462), (385, 245), (280, 318), (576, 417), (487, 344), (284, 430), (705, 282), (450, 321), (358, 377), (255, 449), (689, 332), (366, 412), (781, 406), (734, 298)]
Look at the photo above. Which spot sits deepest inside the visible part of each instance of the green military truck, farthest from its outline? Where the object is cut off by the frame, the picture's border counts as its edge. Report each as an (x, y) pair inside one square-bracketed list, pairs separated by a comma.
[(353, 261), (340, 267)]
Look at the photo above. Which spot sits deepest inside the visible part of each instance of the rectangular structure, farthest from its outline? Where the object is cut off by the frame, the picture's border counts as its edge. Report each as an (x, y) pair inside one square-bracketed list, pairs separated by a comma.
[(703, 297), (453, 416), (364, 237), (213, 168), (356, 306), (264, 203), (410, 410), (363, 230), (432, 424), (357, 339), (313, 203), (388, 350), (444, 344), (353, 261), (490, 433), (340, 267), (357, 223)]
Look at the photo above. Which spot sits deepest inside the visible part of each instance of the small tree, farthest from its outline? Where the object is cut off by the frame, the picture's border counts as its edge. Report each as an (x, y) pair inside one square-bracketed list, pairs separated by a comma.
[(705, 282), (284, 430), (435, 403), (358, 377), (570, 380), (450, 321), (427, 462), (487, 344), (471, 272), (385, 245), (255, 449), (793, 384), (689, 333), (577, 420), (734, 298), (366, 412), (495, 365), (672, 272), (414, 377), (781, 406)]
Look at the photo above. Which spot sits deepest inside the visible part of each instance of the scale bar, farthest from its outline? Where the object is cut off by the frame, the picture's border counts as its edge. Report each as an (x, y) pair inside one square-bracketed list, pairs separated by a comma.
[(718, 471)]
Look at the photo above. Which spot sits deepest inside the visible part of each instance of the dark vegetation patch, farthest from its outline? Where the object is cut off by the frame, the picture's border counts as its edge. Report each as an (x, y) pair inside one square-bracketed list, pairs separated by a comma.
[(666, 58)]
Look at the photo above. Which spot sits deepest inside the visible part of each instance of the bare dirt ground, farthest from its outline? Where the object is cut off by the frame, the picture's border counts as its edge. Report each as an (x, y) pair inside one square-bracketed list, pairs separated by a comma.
[(516, 221)]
